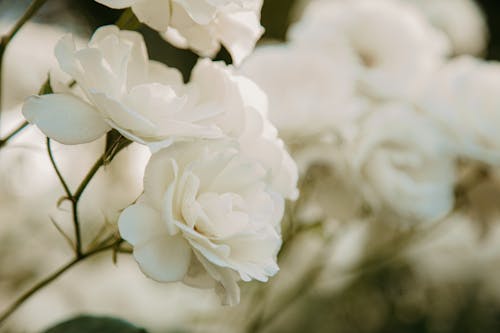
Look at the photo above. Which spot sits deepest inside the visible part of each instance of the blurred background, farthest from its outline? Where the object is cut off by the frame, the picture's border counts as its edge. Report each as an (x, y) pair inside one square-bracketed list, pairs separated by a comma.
[(357, 277)]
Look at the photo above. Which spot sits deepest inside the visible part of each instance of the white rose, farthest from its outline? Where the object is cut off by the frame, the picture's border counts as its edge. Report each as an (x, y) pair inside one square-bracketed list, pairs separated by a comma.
[(243, 114), (464, 97), (462, 20), (149, 103), (145, 100), (201, 25), (395, 47), (207, 217), (403, 164), (121, 89)]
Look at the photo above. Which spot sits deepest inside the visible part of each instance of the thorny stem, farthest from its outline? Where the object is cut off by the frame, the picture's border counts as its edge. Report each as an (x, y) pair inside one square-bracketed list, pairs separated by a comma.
[(5, 40), (43, 283)]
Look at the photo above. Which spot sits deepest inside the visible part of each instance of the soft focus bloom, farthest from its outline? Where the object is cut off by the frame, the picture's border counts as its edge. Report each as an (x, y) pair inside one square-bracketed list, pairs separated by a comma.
[(201, 25), (207, 217), (403, 164), (391, 42), (309, 91), (464, 97), (462, 20)]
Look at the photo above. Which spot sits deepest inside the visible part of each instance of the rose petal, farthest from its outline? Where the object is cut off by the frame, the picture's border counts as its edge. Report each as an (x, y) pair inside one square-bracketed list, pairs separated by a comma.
[(164, 259), (200, 11), (65, 118), (139, 223), (239, 32), (117, 4), (155, 13)]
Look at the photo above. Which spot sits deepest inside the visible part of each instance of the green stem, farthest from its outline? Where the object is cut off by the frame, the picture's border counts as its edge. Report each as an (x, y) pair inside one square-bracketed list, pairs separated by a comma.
[(43, 283), (6, 39), (92, 172), (74, 202), (108, 155), (12, 134), (58, 172), (128, 21)]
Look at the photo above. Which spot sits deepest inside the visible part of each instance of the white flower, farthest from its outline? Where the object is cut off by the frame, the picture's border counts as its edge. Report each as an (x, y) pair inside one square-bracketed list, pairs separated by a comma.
[(207, 217), (149, 103), (462, 20), (121, 89), (394, 45), (464, 97), (403, 164), (201, 25), (243, 115), (309, 91)]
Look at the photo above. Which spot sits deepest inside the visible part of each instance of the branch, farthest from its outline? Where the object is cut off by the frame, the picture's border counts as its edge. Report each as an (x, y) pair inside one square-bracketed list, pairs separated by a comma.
[(12, 134), (40, 285), (58, 172), (6, 39)]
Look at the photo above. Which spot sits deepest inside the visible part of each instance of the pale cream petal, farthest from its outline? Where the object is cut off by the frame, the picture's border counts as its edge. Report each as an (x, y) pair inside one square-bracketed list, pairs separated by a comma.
[(65, 118), (164, 259)]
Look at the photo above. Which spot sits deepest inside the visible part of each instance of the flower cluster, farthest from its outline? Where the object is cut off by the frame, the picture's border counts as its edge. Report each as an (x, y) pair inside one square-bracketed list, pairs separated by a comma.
[(381, 93), (201, 25), (215, 185)]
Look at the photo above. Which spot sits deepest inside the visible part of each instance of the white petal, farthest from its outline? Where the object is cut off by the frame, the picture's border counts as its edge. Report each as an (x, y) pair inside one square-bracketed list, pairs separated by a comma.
[(239, 32), (65, 118), (117, 4), (122, 116), (65, 53), (200, 11), (139, 223), (164, 259), (161, 73), (227, 288), (154, 13), (160, 173)]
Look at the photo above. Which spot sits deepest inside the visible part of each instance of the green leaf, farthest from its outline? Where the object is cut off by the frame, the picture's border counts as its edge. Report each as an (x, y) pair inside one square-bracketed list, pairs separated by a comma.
[(90, 324)]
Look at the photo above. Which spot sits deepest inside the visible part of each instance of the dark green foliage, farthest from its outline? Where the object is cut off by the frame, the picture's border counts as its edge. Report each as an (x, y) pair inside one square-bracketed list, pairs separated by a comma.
[(90, 324)]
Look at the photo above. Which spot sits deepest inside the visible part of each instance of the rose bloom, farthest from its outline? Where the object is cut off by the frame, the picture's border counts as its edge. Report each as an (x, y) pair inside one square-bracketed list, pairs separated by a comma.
[(403, 164), (201, 25), (462, 20), (463, 97), (207, 217), (118, 88), (148, 102), (394, 46)]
